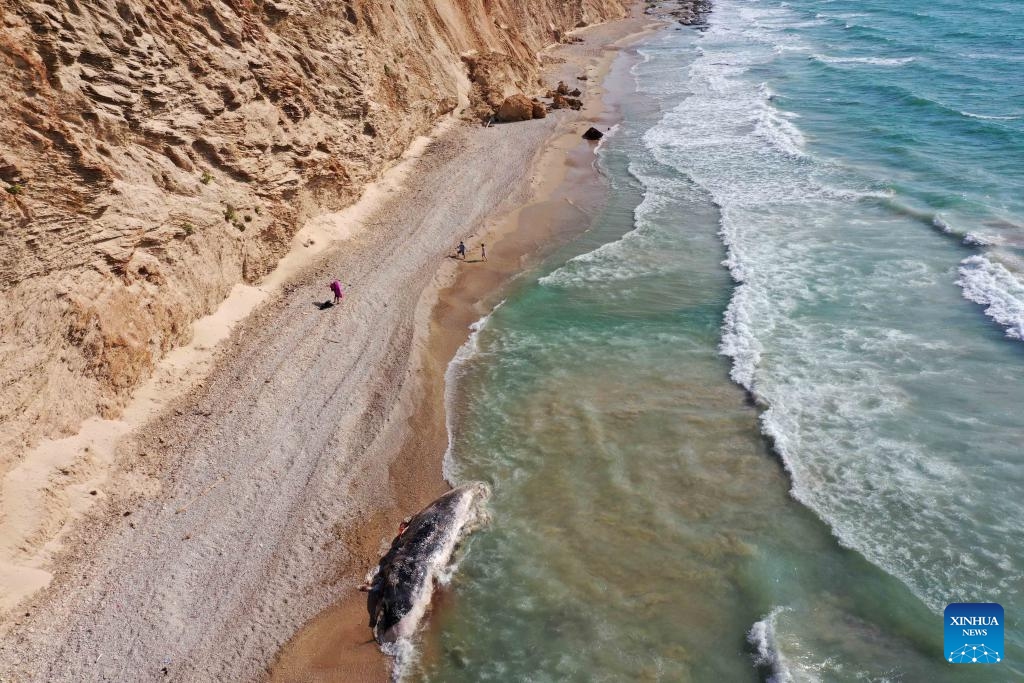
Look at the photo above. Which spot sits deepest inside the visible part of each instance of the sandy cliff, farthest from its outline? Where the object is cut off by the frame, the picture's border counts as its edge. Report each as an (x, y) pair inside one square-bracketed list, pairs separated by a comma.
[(154, 154)]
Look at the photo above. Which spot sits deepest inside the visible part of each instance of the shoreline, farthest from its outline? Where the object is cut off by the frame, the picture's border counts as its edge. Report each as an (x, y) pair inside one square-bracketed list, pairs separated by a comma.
[(272, 462), (565, 190), (306, 470)]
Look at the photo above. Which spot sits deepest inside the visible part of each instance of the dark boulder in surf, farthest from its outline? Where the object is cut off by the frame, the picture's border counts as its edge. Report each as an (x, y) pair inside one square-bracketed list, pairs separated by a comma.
[(400, 588), (593, 134)]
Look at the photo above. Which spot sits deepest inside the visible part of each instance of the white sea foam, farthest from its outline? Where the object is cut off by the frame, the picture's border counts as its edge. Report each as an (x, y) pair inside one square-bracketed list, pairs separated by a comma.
[(762, 636), (940, 223), (990, 118), (405, 654), (992, 285), (876, 61), (809, 327), (738, 339), (605, 264), (645, 58), (973, 239), (469, 350), (608, 135), (1003, 56), (776, 127), (637, 252)]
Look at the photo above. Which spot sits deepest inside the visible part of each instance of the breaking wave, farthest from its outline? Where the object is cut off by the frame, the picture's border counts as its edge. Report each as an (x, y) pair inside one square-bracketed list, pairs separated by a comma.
[(989, 118), (993, 286), (877, 61), (803, 327), (767, 655)]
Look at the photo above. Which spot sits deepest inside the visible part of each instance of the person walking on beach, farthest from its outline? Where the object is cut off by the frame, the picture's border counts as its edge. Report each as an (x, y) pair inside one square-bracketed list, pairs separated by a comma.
[(461, 250), (483, 252), (339, 293)]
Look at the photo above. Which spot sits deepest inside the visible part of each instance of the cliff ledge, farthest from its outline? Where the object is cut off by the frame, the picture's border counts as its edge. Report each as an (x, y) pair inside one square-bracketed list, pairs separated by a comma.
[(154, 154)]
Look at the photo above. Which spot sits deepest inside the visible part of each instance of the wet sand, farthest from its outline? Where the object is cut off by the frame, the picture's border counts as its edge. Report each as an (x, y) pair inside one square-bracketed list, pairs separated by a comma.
[(262, 496), (566, 191), (337, 644)]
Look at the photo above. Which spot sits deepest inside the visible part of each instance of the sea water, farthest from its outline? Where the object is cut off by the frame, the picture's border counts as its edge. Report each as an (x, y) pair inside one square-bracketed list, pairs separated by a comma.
[(766, 418)]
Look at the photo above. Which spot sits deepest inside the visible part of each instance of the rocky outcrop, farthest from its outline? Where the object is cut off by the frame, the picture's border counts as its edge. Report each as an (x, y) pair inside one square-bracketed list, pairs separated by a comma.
[(493, 76), (515, 108), (686, 12), (153, 155)]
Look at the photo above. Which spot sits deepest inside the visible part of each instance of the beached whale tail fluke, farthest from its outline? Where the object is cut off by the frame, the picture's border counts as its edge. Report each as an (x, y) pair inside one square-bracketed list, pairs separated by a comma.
[(400, 587)]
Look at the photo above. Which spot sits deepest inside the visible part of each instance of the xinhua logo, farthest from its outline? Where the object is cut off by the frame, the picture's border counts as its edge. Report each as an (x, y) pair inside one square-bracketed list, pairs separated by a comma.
[(974, 633)]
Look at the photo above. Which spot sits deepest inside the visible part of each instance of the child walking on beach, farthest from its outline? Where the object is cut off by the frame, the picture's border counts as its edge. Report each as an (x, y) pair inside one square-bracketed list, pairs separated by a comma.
[(483, 252), (461, 250)]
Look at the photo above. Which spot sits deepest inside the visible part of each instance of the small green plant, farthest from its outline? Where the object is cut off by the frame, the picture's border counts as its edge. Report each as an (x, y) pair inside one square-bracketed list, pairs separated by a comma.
[(189, 230), (387, 71), (240, 225), (258, 210), (15, 189), (229, 214), (206, 178)]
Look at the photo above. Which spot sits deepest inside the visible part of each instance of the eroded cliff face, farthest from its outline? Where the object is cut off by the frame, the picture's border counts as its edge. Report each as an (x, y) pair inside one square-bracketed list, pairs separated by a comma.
[(153, 154)]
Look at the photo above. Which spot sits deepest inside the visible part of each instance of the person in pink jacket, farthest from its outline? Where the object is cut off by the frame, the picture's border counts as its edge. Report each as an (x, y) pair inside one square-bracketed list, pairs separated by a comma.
[(339, 293)]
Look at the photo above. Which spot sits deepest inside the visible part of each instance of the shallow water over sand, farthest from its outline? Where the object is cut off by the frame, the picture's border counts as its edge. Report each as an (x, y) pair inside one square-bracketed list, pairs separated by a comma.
[(643, 528)]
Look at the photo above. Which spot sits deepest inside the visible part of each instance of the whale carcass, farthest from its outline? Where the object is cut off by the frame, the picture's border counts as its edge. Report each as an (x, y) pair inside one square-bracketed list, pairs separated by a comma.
[(400, 588)]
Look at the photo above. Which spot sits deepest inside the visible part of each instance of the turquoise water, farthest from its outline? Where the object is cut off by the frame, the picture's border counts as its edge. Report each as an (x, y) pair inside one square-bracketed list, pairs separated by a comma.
[(764, 419)]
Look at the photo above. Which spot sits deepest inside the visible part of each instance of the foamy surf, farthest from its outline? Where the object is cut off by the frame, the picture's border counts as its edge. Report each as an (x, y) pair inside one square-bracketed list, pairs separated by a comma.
[(610, 133), (628, 257), (873, 61), (986, 117), (775, 127), (767, 655), (469, 350), (993, 286), (831, 385), (884, 393)]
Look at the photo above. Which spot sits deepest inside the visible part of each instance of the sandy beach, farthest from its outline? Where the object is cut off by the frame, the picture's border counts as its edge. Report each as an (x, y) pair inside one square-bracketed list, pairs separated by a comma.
[(562, 193), (244, 514), (730, 396)]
